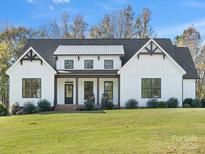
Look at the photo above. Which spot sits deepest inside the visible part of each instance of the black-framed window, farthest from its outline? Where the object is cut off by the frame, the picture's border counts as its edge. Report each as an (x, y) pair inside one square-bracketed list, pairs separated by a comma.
[(151, 88), (108, 89), (88, 89), (68, 64), (31, 88), (108, 64), (88, 64)]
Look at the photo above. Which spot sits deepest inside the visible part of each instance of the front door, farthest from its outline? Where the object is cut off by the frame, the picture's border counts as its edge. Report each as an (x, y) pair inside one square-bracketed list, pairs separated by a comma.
[(68, 93)]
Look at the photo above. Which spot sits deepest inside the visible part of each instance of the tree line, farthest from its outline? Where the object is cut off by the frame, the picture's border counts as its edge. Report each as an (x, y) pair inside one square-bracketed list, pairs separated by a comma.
[(123, 23)]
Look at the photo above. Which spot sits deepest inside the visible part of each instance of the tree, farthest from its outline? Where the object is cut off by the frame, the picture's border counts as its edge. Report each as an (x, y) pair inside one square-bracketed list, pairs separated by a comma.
[(190, 38), (142, 24), (123, 24), (78, 27), (4, 58), (65, 25), (15, 38)]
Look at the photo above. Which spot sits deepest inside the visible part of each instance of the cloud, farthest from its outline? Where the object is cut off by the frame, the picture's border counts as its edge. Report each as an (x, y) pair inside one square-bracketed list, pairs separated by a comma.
[(172, 31), (31, 1), (51, 7), (193, 4), (60, 1)]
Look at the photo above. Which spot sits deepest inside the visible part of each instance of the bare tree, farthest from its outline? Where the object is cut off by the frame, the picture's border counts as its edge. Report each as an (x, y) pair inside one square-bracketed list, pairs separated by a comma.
[(65, 25), (142, 25), (78, 28), (121, 24)]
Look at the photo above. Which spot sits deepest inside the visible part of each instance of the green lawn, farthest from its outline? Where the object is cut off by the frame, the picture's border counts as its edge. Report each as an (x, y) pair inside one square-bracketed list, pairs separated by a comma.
[(117, 131)]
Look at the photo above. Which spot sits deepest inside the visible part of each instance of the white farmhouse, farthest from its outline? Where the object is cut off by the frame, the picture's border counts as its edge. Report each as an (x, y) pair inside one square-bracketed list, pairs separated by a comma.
[(69, 71)]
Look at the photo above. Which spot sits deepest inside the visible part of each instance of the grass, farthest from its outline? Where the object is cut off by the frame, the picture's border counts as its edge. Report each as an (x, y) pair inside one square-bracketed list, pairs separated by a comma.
[(117, 131)]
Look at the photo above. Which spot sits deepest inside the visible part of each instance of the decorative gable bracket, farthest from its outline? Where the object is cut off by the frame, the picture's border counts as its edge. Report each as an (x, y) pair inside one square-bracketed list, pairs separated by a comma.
[(30, 56), (151, 51)]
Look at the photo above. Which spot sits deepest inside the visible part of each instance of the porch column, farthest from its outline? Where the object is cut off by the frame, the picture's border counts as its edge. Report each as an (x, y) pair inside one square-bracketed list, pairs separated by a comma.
[(76, 88), (98, 91), (119, 92), (55, 91)]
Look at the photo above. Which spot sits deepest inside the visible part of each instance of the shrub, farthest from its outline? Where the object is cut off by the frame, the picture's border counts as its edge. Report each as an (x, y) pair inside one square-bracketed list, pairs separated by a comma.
[(89, 105), (29, 108), (196, 103), (172, 102), (188, 101), (131, 104), (152, 103), (43, 105), (107, 105), (15, 108), (203, 102), (186, 105), (161, 104), (3, 110)]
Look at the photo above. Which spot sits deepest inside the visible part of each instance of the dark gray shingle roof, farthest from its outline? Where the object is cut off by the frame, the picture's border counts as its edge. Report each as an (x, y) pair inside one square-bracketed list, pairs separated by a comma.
[(46, 48)]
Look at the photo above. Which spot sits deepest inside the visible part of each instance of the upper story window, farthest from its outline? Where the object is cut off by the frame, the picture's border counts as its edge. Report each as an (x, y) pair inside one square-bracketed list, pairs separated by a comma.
[(151, 88), (31, 88), (88, 64), (68, 64), (108, 64)]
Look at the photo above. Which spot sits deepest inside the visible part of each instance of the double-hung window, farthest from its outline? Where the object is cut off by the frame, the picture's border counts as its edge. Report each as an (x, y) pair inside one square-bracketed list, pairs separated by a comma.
[(68, 64), (108, 64), (31, 88), (151, 88), (88, 64)]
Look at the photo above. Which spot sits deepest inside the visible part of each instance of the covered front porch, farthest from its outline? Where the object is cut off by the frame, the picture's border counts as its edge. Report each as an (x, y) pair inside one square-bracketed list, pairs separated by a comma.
[(75, 87)]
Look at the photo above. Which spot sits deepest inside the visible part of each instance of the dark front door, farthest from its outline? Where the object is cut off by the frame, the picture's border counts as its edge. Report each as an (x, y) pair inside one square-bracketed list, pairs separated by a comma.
[(68, 93)]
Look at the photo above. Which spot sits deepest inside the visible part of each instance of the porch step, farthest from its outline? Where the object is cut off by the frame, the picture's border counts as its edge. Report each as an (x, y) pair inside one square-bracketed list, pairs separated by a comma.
[(67, 107)]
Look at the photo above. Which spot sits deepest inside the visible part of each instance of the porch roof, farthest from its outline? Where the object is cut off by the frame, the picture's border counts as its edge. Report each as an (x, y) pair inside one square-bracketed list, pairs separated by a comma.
[(87, 72)]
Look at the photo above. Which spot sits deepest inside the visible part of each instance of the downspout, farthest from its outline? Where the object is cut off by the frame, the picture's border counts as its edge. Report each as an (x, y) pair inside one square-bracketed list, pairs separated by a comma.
[(182, 91)]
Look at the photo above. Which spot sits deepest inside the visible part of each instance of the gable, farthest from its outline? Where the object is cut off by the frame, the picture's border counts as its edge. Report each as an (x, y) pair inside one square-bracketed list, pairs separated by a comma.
[(152, 48), (29, 55)]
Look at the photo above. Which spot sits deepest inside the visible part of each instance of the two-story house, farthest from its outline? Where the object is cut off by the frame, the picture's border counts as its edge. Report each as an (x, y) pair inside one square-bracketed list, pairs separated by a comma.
[(69, 71)]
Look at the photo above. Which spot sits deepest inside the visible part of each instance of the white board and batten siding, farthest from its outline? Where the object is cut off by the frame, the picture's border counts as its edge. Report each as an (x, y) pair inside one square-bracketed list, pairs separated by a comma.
[(147, 66), (31, 69), (189, 88), (97, 63)]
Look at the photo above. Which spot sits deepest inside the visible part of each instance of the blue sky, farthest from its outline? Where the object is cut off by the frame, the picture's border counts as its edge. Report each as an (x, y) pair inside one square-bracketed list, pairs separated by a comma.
[(169, 17)]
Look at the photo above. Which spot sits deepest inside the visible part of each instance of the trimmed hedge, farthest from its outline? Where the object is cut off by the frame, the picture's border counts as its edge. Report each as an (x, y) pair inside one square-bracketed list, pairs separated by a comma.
[(161, 104), (186, 105), (196, 103), (172, 102), (43, 105), (152, 103), (29, 108), (203, 102), (188, 101), (131, 104)]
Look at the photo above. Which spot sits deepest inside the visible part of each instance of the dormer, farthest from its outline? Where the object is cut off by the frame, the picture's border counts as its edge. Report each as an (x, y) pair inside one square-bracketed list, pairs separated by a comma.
[(89, 57)]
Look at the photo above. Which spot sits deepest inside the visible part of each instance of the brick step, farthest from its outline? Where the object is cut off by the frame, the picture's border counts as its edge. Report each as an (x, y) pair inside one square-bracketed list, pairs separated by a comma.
[(67, 107)]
